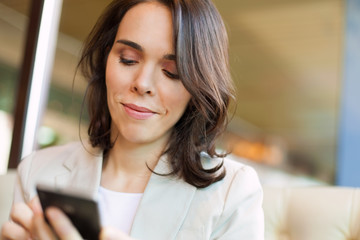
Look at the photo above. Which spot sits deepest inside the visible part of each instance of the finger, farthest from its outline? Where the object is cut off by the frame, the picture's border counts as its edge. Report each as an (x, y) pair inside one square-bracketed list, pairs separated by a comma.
[(11, 230), (22, 215), (61, 224), (110, 233), (40, 229), (35, 205)]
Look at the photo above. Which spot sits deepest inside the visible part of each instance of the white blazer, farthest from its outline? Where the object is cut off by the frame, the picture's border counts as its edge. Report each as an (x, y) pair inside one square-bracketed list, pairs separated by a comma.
[(170, 208)]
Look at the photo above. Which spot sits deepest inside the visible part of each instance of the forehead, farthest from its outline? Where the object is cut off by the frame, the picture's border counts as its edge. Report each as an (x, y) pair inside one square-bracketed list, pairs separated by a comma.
[(148, 24)]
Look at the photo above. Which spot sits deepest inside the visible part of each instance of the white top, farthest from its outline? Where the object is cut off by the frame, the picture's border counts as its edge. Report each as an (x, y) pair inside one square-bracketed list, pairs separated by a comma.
[(118, 209)]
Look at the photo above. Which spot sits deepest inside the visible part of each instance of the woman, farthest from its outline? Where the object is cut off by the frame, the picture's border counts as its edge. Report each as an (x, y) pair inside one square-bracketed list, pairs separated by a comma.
[(159, 89)]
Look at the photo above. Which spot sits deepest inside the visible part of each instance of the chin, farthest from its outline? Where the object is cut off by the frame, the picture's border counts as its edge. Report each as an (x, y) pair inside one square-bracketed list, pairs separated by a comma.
[(136, 136), (137, 139), (145, 137)]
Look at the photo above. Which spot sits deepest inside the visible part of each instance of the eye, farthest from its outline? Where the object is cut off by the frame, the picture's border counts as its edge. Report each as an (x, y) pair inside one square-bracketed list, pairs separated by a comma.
[(126, 61), (170, 74)]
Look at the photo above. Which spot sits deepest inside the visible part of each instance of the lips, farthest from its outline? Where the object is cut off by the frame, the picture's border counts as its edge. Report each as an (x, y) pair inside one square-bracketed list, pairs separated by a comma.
[(137, 112)]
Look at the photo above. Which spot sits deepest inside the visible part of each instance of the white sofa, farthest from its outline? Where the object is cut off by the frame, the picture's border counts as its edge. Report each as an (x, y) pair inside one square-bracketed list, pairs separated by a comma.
[(312, 213)]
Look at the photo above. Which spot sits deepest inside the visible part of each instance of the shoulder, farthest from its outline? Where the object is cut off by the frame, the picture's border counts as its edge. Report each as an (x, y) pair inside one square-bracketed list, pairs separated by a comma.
[(53, 156), (242, 183), (239, 183), (43, 166), (233, 205), (239, 172), (236, 172)]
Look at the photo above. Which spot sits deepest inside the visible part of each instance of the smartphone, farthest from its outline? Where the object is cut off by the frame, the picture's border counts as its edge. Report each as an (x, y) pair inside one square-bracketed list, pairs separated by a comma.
[(83, 212)]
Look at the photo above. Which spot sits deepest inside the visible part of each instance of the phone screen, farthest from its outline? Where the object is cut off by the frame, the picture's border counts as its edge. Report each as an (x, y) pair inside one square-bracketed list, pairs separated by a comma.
[(83, 212)]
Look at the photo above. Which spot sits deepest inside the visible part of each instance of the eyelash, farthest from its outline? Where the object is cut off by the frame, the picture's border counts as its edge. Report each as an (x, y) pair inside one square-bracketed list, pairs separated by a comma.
[(170, 75), (127, 61), (132, 62)]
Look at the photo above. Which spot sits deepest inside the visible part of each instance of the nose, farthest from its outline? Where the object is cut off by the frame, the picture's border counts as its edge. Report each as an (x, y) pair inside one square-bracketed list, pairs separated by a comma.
[(144, 83)]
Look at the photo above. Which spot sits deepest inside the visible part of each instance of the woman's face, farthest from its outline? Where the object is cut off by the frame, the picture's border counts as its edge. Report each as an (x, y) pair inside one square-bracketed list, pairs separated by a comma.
[(145, 96)]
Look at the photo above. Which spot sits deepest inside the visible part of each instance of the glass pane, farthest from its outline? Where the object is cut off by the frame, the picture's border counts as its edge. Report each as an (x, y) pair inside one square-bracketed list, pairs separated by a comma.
[(62, 116), (285, 59), (13, 24)]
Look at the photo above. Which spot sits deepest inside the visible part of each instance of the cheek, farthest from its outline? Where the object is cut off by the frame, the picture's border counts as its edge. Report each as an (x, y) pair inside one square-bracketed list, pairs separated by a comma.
[(177, 99), (110, 74), (114, 77)]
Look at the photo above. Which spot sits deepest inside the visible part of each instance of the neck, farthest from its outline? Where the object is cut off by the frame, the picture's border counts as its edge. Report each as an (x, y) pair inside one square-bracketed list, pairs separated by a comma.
[(126, 168), (133, 157)]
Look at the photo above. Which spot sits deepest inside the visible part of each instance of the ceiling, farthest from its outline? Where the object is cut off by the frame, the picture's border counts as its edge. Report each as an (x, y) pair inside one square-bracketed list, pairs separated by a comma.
[(286, 60)]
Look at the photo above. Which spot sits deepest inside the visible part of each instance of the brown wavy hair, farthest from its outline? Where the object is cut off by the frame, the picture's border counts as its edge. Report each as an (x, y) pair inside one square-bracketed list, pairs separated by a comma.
[(202, 62)]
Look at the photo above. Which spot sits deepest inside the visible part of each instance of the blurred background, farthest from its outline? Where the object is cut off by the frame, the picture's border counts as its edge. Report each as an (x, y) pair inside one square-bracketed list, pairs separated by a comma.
[(287, 59)]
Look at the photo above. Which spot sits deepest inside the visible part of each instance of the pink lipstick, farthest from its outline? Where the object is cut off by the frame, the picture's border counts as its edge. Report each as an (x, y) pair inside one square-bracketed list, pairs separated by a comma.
[(139, 113)]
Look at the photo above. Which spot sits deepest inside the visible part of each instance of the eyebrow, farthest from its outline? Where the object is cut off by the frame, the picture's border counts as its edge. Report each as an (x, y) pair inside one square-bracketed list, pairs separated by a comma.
[(131, 44), (170, 57), (139, 48)]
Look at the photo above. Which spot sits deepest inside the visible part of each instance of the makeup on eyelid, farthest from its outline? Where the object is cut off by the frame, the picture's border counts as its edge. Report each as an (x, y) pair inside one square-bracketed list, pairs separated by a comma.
[(129, 55), (168, 68)]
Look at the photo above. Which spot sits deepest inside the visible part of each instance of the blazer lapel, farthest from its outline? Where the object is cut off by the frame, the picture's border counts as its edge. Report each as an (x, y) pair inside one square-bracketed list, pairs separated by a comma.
[(84, 171), (164, 206)]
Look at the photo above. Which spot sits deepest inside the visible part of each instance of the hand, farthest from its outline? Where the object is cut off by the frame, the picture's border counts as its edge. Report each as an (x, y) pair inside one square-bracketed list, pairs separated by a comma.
[(20, 224), (60, 223), (27, 222)]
